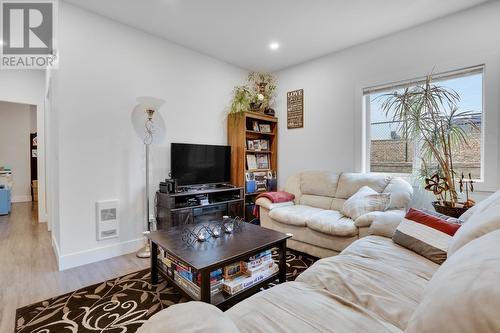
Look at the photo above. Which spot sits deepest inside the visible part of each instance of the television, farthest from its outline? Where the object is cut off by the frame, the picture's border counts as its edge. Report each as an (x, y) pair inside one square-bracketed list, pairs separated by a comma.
[(193, 164)]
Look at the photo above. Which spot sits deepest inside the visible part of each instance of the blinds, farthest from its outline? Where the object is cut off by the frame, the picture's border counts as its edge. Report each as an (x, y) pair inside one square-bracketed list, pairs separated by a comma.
[(435, 77)]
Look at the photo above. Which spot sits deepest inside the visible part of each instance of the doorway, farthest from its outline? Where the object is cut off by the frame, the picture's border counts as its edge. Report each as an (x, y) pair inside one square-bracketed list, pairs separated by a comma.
[(18, 155)]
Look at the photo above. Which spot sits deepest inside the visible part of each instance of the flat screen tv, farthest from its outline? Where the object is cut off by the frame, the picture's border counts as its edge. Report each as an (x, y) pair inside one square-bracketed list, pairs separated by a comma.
[(200, 164)]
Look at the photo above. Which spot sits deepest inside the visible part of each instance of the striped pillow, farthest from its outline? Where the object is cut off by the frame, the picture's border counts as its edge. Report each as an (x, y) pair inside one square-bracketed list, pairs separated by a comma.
[(425, 234)]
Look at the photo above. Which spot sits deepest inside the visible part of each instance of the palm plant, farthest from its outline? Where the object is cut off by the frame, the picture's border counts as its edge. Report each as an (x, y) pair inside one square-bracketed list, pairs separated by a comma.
[(428, 115)]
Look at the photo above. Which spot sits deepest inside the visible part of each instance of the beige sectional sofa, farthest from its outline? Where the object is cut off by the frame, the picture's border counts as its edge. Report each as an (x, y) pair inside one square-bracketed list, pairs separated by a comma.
[(314, 217), (374, 285)]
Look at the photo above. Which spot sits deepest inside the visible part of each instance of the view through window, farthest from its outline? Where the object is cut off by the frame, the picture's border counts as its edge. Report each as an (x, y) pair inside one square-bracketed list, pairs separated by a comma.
[(390, 152)]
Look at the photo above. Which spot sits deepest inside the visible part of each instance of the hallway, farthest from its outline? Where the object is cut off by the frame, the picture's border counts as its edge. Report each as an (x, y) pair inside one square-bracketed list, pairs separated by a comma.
[(28, 266)]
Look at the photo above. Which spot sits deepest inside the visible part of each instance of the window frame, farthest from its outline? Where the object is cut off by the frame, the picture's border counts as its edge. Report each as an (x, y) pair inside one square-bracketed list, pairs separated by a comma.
[(443, 76)]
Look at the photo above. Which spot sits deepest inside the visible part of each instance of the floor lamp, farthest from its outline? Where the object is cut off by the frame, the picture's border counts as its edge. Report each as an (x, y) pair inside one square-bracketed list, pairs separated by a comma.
[(149, 105)]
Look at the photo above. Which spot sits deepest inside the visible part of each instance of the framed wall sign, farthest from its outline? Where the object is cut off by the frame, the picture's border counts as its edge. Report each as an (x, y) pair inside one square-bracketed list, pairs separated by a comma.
[(295, 108)]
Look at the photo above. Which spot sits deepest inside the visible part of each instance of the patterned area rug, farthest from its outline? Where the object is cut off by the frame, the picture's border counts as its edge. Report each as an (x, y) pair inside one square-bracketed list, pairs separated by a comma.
[(116, 306)]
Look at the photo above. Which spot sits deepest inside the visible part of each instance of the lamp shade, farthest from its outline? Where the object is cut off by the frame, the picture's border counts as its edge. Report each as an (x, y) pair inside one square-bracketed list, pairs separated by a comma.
[(150, 103), (139, 117)]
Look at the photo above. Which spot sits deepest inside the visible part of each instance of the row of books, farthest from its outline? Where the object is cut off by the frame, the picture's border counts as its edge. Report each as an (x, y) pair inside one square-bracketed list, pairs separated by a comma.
[(232, 279), (187, 278), (244, 274)]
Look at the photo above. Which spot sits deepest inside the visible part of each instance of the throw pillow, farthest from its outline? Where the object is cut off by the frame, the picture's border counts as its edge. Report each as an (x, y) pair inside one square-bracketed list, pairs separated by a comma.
[(365, 200), (386, 223), (425, 234), (442, 216)]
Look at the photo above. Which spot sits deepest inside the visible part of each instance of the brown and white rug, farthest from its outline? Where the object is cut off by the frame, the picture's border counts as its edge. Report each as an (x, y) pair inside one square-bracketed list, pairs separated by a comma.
[(115, 306)]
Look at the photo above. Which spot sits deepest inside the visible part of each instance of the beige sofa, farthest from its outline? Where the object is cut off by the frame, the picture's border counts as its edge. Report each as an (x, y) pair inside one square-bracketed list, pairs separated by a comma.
[(374, 285), (314, 218)]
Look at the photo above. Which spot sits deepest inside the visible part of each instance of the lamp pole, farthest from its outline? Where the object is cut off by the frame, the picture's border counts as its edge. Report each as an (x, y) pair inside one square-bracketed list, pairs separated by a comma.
[(145, 252)]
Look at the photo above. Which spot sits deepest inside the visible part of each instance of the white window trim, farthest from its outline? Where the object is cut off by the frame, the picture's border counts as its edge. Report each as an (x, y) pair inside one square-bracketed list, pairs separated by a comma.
[(491, 107), (472, 70)]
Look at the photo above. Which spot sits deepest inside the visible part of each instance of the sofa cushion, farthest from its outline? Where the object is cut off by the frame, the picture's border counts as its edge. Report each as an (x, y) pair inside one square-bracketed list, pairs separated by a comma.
[(425, 234), (401, 193), (376, 274), (295, 307), (332, 222), (382, 223), (292, 185), (463, 296), (350, 183), (179, 318), (317, 201), (367, 219), (337, 204), (297, 215), (306, 235), (322, 183), (365, 200), (484, 219)]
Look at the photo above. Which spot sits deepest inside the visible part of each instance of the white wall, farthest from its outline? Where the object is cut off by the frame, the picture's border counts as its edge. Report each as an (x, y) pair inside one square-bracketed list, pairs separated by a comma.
[(332, 137), (15, 129), (28, 87), (103, 67)]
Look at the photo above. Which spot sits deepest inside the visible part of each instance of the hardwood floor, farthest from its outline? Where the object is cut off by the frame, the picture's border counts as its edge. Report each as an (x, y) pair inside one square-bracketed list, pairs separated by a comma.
[(28, 267)]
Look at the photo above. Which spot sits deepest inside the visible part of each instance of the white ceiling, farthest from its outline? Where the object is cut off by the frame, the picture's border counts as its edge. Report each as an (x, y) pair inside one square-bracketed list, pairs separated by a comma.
[(240, 31)]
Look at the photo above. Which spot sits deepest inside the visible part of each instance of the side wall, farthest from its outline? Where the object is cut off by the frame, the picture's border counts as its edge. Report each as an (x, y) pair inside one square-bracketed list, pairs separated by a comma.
[(333, 136), (103, 69)]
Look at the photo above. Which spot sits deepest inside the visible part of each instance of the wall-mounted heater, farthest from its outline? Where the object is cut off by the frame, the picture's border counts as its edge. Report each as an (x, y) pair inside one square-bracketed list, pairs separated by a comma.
[(108, 219)]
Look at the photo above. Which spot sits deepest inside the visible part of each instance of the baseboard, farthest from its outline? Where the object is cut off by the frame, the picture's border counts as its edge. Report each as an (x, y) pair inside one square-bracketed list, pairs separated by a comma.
[(20, 198), (55, 247), (43, 218), (102, 253)]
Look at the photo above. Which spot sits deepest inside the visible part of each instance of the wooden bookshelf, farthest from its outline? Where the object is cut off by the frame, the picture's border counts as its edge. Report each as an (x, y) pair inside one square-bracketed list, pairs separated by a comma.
[(240, 129)]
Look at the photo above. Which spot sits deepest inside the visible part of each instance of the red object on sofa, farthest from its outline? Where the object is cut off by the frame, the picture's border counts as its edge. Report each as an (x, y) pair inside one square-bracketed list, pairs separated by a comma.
[(274, 197), (432, 221)]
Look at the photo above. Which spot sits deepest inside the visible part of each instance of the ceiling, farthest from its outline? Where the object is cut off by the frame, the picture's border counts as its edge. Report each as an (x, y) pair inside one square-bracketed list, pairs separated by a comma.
[(240, 31)]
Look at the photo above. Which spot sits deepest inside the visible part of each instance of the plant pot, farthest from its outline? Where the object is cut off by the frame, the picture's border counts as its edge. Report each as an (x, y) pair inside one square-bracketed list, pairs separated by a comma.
[(255, 107), (448, 209)]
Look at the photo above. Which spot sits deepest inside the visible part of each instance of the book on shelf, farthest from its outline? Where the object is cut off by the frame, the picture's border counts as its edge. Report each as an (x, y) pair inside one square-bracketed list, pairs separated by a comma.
[(260, 255), (252, 264), (242, 282), (263, 266), (232, 270), (193, 289), (251, 162), (262, 161)]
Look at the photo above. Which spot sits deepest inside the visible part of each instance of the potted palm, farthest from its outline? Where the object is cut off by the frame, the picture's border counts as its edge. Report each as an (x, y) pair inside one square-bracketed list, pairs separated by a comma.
[(428, 115)]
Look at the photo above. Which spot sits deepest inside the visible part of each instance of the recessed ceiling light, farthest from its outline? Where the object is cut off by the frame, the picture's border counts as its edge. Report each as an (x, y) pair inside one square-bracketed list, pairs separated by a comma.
[(274, 46)]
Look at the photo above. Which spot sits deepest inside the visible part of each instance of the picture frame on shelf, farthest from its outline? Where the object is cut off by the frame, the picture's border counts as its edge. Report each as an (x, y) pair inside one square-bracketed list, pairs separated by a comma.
[(256, 145), (255, 126), (264, 144), (265, 128), (260, 181), (262, 161), (251, 162), (249, 176), (250, 145)]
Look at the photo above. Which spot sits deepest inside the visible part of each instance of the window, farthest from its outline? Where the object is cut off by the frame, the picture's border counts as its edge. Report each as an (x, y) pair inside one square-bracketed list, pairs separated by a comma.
[(389, 151)]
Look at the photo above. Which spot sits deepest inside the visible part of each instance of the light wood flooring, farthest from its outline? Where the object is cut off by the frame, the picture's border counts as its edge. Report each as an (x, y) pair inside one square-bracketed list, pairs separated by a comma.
[(28, 267)]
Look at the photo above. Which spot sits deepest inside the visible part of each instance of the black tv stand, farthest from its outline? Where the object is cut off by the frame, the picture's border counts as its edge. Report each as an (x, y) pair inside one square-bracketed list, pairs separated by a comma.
[(191, 188), (197, 204)]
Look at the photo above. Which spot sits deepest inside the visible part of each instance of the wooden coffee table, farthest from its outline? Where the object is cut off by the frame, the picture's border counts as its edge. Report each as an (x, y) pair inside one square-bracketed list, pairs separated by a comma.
[(205, 257)]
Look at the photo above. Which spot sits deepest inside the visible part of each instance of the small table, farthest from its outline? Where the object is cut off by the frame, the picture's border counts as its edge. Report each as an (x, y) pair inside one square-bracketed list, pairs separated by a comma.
[(205, 257)]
